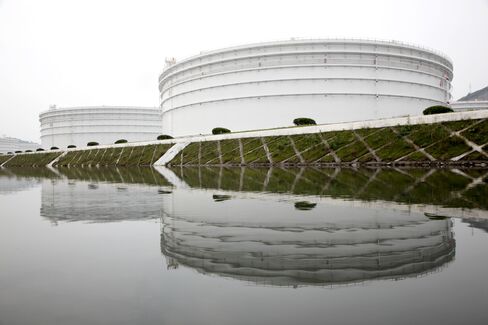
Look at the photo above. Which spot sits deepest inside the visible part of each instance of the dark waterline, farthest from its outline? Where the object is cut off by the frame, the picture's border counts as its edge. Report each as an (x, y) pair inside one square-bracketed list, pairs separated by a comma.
[(243, 246)]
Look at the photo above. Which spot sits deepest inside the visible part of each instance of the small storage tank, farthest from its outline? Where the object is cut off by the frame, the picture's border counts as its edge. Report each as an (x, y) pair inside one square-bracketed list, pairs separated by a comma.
[(8, 144), (61, 127)]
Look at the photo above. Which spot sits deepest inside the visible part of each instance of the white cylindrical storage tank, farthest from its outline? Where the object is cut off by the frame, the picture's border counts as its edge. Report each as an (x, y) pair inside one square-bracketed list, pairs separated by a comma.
[(474, 105), (8, 144), (61, 127), (267, 85)]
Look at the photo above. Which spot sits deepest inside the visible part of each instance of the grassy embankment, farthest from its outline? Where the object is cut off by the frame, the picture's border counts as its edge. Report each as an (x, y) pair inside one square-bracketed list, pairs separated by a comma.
[(407, 144), (4, 158), (122, 156), (460, 142), (40, 159)]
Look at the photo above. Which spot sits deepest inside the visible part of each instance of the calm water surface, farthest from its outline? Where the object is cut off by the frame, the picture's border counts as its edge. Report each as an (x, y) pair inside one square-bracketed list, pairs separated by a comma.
[(243, 246)]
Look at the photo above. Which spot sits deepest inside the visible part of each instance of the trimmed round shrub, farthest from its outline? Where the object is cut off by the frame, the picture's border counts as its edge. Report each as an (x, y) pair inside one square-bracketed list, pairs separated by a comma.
[(120, 141), (438, 109), (220, 130), (164, 137), (18, 151), (39, 149), (304, 121), (54, 148), (71, 146), (304, 205), (28, 151), (92, 143)]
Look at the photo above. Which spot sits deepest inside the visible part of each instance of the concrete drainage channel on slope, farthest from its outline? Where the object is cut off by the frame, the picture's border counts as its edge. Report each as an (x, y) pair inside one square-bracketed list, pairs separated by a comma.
[(434, 140)]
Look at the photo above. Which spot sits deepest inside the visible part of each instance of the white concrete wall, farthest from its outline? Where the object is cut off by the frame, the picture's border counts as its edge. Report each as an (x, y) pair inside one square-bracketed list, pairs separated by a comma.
[(268, 85)]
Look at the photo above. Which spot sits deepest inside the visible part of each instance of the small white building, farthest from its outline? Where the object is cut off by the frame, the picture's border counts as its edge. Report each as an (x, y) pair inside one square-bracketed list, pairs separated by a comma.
[(268, 85), (61, 127)]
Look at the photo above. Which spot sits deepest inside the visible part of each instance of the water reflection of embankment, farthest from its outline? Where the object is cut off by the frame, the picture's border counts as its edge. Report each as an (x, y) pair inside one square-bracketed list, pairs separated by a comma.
[(466, 189)]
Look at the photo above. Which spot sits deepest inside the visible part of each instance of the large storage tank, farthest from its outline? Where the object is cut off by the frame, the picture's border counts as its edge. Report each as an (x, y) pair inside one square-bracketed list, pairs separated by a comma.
[(77, 126), (267, 85)]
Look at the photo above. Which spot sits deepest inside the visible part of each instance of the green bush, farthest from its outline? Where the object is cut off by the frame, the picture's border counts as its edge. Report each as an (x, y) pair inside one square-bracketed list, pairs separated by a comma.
[(221, 197), (304, 121), (92, 143), (71, 146), (437, 110), (120, 141), (164, 137), (54, 148), (305, 205), (220, 130), (28, 151), (39, 149), (18, 151), (10, 153)]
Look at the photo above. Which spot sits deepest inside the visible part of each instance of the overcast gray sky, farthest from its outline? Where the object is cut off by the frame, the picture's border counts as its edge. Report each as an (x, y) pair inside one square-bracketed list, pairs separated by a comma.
[(110, 52)]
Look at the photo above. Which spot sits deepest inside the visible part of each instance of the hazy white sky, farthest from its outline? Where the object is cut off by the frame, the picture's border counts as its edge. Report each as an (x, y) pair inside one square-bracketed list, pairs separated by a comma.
[(110, 52)]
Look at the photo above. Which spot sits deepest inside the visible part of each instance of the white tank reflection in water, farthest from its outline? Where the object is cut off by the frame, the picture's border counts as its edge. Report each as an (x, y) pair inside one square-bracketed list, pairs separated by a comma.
[(258, 237), (93, 196), (268, 241), (22, 183)]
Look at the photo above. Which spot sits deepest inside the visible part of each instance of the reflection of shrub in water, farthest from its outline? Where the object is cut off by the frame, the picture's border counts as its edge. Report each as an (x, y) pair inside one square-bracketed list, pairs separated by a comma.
[(220, 197), (164, 192), (304, 205)]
